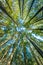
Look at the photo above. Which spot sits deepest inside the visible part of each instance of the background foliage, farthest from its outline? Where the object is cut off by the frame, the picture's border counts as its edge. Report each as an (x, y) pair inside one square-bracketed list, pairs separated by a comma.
[(21, 32)]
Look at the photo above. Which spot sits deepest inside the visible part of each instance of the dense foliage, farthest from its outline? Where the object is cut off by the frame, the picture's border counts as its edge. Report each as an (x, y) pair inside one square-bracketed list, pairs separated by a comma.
[(21, 32)]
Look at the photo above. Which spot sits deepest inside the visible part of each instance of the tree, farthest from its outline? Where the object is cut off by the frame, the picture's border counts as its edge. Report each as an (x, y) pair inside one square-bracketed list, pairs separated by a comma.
[(21, 32)]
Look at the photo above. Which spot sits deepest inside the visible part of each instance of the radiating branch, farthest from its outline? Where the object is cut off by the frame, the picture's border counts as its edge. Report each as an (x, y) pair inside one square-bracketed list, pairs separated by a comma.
[(19, 6), (34, 16), (36, 47), (4, 10), (22, 6), (29, 9), (36, 59), (8, 4)]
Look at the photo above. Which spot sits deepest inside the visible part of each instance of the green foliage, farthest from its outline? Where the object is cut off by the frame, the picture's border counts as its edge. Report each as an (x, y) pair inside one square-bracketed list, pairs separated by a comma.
[(21, 32)]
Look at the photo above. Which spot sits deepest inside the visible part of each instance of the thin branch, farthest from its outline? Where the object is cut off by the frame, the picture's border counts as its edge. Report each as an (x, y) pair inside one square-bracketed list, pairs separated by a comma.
[(39, 20), (24, 55), (19, 6), (8, 4), (22, 6), (29, 9)]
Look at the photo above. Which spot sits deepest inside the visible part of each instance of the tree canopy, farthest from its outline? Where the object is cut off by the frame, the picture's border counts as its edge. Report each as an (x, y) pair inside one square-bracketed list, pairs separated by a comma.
[(21, 32)]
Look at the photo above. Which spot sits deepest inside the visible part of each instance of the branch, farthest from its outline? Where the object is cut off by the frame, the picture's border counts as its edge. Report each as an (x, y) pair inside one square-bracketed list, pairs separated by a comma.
[(29, 9), (34, 15), (4, 10), (8, 4), (36, 47)]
